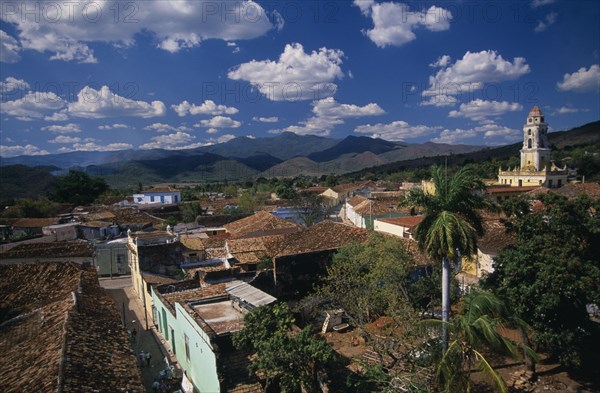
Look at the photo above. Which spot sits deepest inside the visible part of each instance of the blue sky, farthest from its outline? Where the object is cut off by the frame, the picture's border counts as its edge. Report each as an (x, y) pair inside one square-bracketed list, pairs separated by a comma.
[(113, 75)]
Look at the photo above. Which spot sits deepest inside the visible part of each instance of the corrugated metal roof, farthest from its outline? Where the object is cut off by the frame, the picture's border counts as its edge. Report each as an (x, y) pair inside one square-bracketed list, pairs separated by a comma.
[(249, 294)]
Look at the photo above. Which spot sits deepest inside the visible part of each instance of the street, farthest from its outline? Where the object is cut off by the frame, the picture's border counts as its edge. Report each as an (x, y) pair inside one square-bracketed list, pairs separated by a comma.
[(128, 305)]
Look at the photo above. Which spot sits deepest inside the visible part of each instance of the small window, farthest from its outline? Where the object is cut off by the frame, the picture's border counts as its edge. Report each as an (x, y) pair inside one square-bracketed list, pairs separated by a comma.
[(529, 144), (187, 346), (529, 131), (152, 199)]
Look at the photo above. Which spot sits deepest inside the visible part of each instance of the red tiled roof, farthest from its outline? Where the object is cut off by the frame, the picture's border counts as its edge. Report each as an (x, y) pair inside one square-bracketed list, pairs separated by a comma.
[(535, 111), (573, 190), (376, 206), (344, 187), (161, 189), (61, 332), (495, 190), (356, 200), (74, 249), (406, 221), (35, 222), (496, 236), (326, 235), (261, 221)]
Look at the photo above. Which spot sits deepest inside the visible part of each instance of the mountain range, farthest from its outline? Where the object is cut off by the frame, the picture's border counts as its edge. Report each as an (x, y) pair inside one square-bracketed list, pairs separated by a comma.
[(284, 155), (242, 158)]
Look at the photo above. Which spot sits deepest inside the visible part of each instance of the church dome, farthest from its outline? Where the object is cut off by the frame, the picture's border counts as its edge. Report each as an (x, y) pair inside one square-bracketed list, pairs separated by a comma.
[(535, 112)]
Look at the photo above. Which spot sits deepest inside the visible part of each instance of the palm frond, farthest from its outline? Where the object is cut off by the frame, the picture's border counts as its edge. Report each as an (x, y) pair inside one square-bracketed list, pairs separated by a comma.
[(487, 369)]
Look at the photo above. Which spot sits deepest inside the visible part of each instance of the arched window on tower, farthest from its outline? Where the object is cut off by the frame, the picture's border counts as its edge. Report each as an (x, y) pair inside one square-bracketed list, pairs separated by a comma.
[(529, 144), (529, 131)]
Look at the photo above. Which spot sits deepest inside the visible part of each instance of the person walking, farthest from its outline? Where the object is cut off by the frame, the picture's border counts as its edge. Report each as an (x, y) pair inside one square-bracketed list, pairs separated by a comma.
[(142, 358), (148, 358)]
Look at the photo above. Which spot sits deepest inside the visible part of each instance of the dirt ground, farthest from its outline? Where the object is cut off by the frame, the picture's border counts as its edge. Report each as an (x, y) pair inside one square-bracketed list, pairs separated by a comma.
[(550, 377)]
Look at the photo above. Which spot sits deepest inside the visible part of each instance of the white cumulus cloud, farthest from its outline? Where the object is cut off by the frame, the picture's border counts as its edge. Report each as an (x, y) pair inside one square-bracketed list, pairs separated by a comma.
[(272, 119), (481, 109), (490, 130), (396, 131), (329, 113), (67, 28), (34, 105), (113, 126), (91, 146), (394, 24), (18, 150), (102, 103), (219, 122), (9, 48), (548, 21), (296, 75), (539, 3), (162, 127), (11, 84), (208, 107), (168, 141), (473, 71), (70, 128), (65, 139), (582, 80)]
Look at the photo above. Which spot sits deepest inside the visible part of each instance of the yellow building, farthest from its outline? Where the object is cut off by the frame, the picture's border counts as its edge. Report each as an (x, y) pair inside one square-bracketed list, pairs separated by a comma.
[(537, 168)]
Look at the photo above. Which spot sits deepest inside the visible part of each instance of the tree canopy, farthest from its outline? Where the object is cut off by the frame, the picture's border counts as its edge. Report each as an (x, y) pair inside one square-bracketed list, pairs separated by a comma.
[(370, 280), (79, 188), (288, 361), (552, 273)]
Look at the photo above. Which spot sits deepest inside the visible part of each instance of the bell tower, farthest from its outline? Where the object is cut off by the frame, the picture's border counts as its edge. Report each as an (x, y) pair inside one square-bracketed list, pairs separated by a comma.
[(536, 153)]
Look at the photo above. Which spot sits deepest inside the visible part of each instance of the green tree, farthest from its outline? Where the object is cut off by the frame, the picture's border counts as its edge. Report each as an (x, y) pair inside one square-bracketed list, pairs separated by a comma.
[(288, 361), (36, 208), (552, 273), (451, 223), (78, 188), (472, 332), (285, 191), (330, 181), (170, 221), (312, 209), (370, 280), (190, 211), (248, 201)]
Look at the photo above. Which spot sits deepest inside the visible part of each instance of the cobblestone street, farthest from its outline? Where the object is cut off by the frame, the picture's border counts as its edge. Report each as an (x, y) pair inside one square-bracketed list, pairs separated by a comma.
[(129, 306)]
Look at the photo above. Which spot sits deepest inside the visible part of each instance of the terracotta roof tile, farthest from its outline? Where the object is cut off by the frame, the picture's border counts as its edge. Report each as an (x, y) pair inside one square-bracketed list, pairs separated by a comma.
[(376, 207), (74, 249), (161, 189), (100, 216), (406, 221), (35, 222), (356, 200), (61, 332), (574, 190), (495, 237), (326, 235), (261, 221), (496, 190)]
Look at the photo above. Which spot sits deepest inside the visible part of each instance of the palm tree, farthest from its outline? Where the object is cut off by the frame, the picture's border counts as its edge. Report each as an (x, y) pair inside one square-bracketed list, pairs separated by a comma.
[(474, 330), (451, 223)]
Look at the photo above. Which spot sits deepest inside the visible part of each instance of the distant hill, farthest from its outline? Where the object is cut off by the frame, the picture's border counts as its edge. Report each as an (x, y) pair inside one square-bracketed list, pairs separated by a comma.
[(587, 134), (283, 146), (354, 144), (20, 181), (584, 135), (285, 155)]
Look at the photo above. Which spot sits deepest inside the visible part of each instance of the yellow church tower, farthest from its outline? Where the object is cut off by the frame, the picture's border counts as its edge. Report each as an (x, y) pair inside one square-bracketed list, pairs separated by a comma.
[(537, 168)]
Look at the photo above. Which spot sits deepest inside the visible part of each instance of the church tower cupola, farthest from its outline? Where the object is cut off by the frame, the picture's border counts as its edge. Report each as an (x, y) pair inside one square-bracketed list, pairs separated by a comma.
[(535, 154)]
